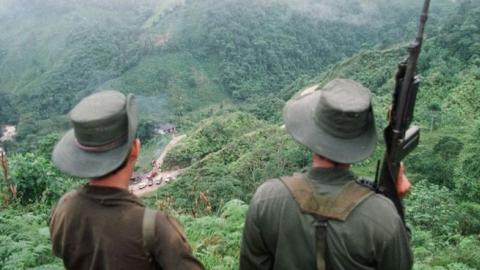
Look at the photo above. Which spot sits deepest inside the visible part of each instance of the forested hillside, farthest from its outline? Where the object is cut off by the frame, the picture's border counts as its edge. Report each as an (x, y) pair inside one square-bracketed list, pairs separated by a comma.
[(222, 71), (179, 55)]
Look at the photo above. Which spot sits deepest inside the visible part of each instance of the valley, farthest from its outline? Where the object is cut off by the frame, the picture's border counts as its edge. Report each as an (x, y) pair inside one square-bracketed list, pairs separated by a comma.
[(222, 71)]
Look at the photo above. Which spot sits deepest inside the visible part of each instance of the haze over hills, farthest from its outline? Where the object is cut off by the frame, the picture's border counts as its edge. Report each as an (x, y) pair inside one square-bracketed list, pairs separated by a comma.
[(184, 55), (222, 71)]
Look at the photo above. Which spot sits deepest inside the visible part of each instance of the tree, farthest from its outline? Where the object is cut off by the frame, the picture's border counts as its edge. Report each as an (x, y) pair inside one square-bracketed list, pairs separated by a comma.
[(36, 179), (8, 112), (468, 171), (146, 129)]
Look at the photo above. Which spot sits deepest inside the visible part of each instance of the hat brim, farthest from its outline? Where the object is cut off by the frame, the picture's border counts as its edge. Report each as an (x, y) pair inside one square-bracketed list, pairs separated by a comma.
[(298, 115), (74, 161)]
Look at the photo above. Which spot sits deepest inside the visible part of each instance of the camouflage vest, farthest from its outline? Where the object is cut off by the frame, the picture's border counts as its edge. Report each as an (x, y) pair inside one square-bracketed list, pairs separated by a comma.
[(324, 208)]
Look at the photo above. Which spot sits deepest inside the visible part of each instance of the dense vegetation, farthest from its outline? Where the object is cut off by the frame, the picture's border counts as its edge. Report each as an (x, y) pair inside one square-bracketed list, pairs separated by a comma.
[(179, 55), (222, 71)]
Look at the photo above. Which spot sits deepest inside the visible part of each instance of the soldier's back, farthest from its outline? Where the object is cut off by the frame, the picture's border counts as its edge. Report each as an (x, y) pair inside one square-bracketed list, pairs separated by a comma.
[(372, 237), (99, 228)]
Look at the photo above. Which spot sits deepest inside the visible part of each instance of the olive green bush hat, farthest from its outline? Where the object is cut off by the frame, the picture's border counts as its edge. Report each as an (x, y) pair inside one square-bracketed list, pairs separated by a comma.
[(335, 122), (104, 127)]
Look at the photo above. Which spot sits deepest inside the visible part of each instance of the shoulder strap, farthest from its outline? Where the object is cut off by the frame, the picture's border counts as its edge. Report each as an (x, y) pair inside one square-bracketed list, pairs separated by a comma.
[(321, 248), (148, 231), (336, 207), (323, 208)]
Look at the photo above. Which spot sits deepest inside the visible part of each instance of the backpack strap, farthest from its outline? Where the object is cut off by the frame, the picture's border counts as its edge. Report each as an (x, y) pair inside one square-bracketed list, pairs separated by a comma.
[(336, 207), (148, 232), (323, 208), (321, 248)]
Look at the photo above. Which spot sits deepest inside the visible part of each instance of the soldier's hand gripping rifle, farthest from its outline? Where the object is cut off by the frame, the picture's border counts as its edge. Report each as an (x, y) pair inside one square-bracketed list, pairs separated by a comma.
[(400, 139)]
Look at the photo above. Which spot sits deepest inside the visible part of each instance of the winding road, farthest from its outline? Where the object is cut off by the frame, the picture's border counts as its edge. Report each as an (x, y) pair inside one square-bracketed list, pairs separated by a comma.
[(165, 177)]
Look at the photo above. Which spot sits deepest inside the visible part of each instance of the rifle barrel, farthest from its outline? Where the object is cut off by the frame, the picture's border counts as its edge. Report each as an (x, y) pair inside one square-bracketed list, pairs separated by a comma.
[(406, 87), (423, 20)]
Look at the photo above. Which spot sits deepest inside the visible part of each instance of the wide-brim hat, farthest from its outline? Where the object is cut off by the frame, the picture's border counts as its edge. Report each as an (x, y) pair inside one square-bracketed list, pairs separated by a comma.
[(104, 128), (335, 122)]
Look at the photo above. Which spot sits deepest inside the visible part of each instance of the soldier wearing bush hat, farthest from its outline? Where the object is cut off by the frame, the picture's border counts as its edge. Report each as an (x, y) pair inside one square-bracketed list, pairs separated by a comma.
[(101, 225), (325, 219)]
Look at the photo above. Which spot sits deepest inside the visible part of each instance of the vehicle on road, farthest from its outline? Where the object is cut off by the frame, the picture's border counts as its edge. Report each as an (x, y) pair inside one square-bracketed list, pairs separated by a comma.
[(158, 181), (135, 179), (150, 182), (142, 185)]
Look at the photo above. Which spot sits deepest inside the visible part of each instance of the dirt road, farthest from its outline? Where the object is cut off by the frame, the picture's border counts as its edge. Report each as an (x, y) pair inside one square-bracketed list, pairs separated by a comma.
[(170, 145), (156, 173), (165, 177)]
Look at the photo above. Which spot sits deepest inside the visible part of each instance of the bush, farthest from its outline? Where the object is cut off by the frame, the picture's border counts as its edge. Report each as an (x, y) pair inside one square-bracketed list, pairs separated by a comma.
[(37, 180), (216, 240), (469, 213), (24, 239), (433, 208)]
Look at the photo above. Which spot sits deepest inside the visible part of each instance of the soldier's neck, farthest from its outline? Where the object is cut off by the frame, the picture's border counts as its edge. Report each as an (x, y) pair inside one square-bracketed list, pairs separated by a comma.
[(324, 163)]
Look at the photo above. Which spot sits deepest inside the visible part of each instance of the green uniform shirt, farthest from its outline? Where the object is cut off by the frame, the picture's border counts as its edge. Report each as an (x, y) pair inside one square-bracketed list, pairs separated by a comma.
[(101, 228), (278, 236)]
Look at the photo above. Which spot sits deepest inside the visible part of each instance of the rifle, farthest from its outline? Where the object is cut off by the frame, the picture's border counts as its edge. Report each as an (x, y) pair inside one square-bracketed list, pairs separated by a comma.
[(400, 139)]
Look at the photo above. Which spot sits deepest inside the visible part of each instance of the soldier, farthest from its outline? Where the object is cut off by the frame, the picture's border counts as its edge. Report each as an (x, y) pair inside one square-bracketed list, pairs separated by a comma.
[(324, 219), (101, 225)]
